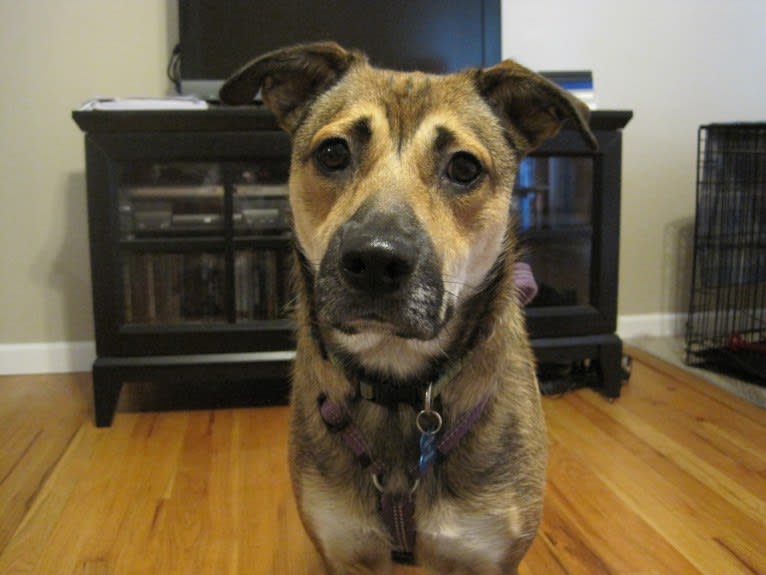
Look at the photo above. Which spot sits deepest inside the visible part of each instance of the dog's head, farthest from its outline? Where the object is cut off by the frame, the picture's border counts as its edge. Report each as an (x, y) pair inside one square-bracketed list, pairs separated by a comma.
[(400, 187)]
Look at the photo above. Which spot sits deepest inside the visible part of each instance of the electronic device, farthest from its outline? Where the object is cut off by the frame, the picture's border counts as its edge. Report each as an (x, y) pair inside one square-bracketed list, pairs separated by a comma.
[(219, 36)]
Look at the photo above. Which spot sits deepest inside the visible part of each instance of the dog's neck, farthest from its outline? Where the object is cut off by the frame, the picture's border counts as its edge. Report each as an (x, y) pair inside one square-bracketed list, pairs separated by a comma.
[(385, 388), (396, 382)]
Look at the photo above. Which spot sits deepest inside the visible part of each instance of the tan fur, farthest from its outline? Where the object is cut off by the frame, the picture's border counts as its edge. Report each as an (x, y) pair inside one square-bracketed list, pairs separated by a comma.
[(479, 510)]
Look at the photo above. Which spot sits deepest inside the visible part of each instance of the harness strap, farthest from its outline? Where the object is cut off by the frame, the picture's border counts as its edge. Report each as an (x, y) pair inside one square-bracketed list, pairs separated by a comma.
[(451, 438), (397, 510), (398, 513), (338, 420)]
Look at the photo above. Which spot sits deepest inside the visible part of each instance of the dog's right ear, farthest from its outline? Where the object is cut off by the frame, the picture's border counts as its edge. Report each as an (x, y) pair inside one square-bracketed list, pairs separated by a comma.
[(290, 79)]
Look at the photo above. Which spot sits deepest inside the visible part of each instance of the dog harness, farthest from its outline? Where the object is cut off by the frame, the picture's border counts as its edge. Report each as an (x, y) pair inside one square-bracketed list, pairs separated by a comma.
[(397, 510)]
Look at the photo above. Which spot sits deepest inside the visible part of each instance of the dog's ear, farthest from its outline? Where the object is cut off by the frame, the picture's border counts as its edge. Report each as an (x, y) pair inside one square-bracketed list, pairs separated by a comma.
[(289, 79), (535, 107)]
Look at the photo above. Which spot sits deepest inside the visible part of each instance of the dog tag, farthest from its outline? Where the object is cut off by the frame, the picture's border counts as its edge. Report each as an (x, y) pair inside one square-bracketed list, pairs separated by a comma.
[(429, 423), (427, 451)]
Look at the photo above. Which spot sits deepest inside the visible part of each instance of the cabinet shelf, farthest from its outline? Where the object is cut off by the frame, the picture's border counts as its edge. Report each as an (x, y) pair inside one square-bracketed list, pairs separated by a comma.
[(279, 326), (281, 241), (173, 244)]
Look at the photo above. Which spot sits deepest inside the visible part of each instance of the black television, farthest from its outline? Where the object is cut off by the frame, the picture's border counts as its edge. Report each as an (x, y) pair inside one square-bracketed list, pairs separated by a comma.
[(216, 37)]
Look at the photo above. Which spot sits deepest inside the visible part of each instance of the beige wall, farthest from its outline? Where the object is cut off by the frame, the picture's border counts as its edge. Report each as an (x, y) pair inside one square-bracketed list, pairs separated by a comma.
[(676, 64), (55, 54)]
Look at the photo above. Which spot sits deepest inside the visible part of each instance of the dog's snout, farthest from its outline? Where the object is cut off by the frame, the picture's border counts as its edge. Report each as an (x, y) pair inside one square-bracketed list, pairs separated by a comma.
[(376, 265), (380, 272)]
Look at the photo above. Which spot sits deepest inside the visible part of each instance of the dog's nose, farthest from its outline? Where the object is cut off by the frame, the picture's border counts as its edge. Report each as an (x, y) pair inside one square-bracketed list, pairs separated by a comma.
[(377, 266)]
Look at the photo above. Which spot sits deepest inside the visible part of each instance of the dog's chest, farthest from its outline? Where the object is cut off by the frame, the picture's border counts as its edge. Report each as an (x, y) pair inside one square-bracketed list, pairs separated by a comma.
[(444, 528), (447, 530)]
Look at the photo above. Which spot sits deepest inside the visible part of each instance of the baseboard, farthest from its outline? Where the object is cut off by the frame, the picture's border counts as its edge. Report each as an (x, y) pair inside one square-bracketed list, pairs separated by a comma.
[(651, 324), (73, 356), (46, 357)]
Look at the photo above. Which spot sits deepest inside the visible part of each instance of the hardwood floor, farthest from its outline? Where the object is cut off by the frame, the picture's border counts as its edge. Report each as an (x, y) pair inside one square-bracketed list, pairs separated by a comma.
[(671, 478)]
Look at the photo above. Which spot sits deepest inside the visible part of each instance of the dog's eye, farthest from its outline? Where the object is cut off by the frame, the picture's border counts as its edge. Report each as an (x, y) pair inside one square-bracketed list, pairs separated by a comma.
[(333, 155), (464, 169)]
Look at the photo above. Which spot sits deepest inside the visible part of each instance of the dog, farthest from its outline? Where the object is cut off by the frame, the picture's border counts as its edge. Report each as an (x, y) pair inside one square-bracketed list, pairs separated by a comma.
[(416, 431)]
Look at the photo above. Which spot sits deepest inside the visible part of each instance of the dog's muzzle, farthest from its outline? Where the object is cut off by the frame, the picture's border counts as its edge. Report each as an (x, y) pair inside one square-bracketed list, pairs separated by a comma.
[(380, 273)]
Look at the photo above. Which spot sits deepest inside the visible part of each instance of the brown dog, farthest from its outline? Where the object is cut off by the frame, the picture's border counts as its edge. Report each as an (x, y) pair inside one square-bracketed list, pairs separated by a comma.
[(400, 189)]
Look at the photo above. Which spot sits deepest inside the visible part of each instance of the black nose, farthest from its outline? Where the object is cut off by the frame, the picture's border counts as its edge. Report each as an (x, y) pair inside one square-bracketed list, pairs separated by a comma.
[(376, 265)]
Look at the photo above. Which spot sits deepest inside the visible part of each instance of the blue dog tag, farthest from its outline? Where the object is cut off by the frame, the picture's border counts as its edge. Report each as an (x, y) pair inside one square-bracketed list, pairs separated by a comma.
[(427, 451)]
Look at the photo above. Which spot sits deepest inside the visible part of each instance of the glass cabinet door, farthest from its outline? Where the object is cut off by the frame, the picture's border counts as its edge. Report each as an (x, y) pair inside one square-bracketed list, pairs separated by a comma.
[(172, 221), (553, 197), (203, 242), (261, 216)]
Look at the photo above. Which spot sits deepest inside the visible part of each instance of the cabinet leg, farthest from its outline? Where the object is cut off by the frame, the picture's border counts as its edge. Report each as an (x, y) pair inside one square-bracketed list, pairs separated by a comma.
[(106, 392), (610, 363)]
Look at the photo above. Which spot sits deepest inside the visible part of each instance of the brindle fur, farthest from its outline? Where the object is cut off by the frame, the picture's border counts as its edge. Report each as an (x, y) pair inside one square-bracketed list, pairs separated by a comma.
[(479, 510)]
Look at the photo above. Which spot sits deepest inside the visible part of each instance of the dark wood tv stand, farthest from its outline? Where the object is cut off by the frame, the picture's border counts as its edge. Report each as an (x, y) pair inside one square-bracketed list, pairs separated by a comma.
[(190, 249)]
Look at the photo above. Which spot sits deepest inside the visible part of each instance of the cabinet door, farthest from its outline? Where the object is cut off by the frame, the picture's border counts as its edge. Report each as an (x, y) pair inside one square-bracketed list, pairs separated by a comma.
[(567, 203), (554, 198), (171, 240), (261, 240), (189, 255)]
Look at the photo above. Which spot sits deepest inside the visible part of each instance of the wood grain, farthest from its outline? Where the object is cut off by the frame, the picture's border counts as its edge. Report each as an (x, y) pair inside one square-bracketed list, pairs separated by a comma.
[(670, 478)]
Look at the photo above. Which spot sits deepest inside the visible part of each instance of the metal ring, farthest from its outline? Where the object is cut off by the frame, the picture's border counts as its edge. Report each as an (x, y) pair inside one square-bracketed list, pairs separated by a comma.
[(437, 422), (379, 485)]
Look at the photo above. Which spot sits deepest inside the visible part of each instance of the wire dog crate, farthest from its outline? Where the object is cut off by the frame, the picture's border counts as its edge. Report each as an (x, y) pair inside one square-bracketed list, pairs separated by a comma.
[(726, 327)]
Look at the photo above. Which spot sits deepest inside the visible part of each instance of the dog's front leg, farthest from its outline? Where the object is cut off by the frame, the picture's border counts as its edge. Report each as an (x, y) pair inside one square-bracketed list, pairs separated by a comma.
[(349, 538)]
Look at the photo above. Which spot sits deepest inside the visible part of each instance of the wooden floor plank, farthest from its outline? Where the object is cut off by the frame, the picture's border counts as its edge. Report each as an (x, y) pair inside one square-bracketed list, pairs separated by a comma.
[(693, 384), (695, 408), (40, 417), (734, 431), (96, 507), (670, 478), (587, 535), (691, 443), (137, 515), (649, 482)]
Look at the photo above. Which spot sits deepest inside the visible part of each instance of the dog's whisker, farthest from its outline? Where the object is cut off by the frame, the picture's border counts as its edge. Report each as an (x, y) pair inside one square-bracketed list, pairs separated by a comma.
[(457, 282)]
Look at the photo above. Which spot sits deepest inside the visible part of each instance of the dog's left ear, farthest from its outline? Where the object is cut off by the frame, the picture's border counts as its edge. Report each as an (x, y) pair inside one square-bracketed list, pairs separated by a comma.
[(290, 79), (534, 107)]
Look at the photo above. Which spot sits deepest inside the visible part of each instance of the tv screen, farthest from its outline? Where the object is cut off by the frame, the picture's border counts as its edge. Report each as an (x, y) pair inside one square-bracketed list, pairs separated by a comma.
[(219, 36)]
